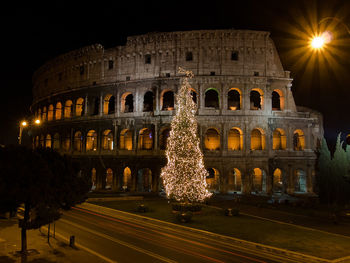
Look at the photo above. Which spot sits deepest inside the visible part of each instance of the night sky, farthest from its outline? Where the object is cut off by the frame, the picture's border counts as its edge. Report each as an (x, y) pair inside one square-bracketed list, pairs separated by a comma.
[(33, 34)]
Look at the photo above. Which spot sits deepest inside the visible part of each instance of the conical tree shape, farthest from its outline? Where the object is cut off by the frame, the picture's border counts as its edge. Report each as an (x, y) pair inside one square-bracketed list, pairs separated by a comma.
[(184, 176)]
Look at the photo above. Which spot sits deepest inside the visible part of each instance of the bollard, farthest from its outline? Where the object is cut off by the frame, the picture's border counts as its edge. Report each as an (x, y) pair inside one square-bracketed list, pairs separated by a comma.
[(72, 241)]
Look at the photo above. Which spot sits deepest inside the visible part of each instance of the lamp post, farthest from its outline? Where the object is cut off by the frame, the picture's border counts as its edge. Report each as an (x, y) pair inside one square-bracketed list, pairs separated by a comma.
[(23, 125)]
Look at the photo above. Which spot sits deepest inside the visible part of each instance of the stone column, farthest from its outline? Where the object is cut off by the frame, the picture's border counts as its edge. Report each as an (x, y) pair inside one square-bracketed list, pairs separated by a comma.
[(156, 135), (101, 105), (86, 109)]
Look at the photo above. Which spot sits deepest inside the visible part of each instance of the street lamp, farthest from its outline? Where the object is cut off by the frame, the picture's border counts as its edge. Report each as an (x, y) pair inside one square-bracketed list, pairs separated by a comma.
[(22, 125)]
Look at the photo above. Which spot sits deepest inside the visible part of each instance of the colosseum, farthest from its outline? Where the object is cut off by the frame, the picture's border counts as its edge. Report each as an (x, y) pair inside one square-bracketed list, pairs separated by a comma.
[(111, 110)]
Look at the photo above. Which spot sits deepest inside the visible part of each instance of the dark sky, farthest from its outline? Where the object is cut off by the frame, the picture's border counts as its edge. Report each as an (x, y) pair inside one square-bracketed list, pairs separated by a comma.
[(33, 34)]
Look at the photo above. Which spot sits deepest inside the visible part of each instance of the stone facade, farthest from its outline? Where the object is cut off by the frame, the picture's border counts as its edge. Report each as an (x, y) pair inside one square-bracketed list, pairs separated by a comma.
[(111, 109)]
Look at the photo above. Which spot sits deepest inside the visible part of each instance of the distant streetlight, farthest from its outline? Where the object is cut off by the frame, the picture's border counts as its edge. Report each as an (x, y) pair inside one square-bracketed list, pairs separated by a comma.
[(22, 125)]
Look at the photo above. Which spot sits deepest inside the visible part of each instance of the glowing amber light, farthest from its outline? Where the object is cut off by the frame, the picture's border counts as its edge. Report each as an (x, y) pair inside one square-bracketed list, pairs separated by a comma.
[(24, 123), (37, 121), (317, 42)]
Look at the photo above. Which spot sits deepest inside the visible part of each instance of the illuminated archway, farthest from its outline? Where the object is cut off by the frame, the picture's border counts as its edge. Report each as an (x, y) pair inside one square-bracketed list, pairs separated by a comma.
[(235, 139), (256, 99), (145, 139), (234, 99), (235, 181), (48, 141), (78, 141), (298, 140), (277, 180), (66, 142), (127, 183), (279, 140), (211, 98), (126, 140), (213, 180), (167, 100), (50, 113), (300, 184), (164, 135), (36, 142), (58, 112), (212, 139), (127, 104), (91, 141), (277, 100), (93, 179), (68, 108), (79, 107), (258, 180), (43, 116), (109, 179), (257, 140), (107, 140), (108, 104), (56, 141)]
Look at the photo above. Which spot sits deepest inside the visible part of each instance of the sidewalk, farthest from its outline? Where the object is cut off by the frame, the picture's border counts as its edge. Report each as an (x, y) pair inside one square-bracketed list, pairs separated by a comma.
[(40, 250)]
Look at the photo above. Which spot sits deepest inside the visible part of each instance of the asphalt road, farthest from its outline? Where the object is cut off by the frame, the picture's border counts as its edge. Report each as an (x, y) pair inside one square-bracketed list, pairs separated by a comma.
[(128, 239)]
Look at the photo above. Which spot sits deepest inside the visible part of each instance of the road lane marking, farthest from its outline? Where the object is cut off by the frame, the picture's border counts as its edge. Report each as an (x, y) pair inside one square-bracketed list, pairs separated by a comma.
[(141, 250), (82, 247)]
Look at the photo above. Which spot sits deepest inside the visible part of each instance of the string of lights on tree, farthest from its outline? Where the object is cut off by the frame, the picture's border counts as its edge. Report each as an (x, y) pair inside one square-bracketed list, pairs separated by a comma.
[(184, 176)]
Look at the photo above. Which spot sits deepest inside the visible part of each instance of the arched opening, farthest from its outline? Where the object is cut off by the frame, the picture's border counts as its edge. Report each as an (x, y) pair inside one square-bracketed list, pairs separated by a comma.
[(234, 99), (50, 113), (279, 140), (127, 102), (194, 95), (127, 183), (347, 140), (213, 179), (212, 139), (66, 142), (68, 109), (48, 141), (235, 139), (58, 113), (36, 142), (211, 99), (93, 179), (235, 181), (144, 180), (256, 99), (107, 140), (95, 106), (56, 141), (167, 100), (109, 104), (109, 179), (164, 135), (259, 181), (43, 116), (79, 107), (148, 101), (300, 181), (91, 141), (257, 140), (277, 100), (126, 140), (78, 141), (145, 139), (277, 180), (298, 140)]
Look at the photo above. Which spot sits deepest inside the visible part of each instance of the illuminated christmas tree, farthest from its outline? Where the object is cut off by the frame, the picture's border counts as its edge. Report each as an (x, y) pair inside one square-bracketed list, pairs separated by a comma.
[(184, 176)]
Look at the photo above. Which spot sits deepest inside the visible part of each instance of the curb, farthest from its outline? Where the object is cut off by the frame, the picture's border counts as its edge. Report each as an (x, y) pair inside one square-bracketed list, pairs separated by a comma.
[(299, 257)]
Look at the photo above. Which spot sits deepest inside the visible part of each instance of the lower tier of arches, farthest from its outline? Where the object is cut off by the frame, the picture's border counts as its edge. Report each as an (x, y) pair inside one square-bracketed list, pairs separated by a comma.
[(226, 175)]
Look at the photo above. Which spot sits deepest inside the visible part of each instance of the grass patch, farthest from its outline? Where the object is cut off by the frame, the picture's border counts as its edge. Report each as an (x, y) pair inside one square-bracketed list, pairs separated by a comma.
[(248, 228)]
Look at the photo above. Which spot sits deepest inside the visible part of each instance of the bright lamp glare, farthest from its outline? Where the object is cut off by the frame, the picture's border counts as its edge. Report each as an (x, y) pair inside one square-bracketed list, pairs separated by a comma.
[(24, 123), (318, 42), (37, 121)]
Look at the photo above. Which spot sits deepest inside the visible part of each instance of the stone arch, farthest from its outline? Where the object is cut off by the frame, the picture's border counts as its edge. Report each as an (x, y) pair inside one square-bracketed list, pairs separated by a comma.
[(144, 180), (164, 135), (48, 141), (108, 104), (211, 98), (235, 180), (279, 140), (212, 139), (145, 139), (298, 140), (234, 99), (256, 99), (127, 182), (95, 109), (50, 113), (107, 140), (56, 141), (277, 100), (43, 116), (125, 140), (259, 181), (213, 179), (93, 179), (127, 102), (91, 141), (300, 181), (66, 143), (235, 139), (109, 179), (58, 111), (277, 185), (79, 107), (167, 100), (78, 141), (257, 139), (68, 109), (148, 100)]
